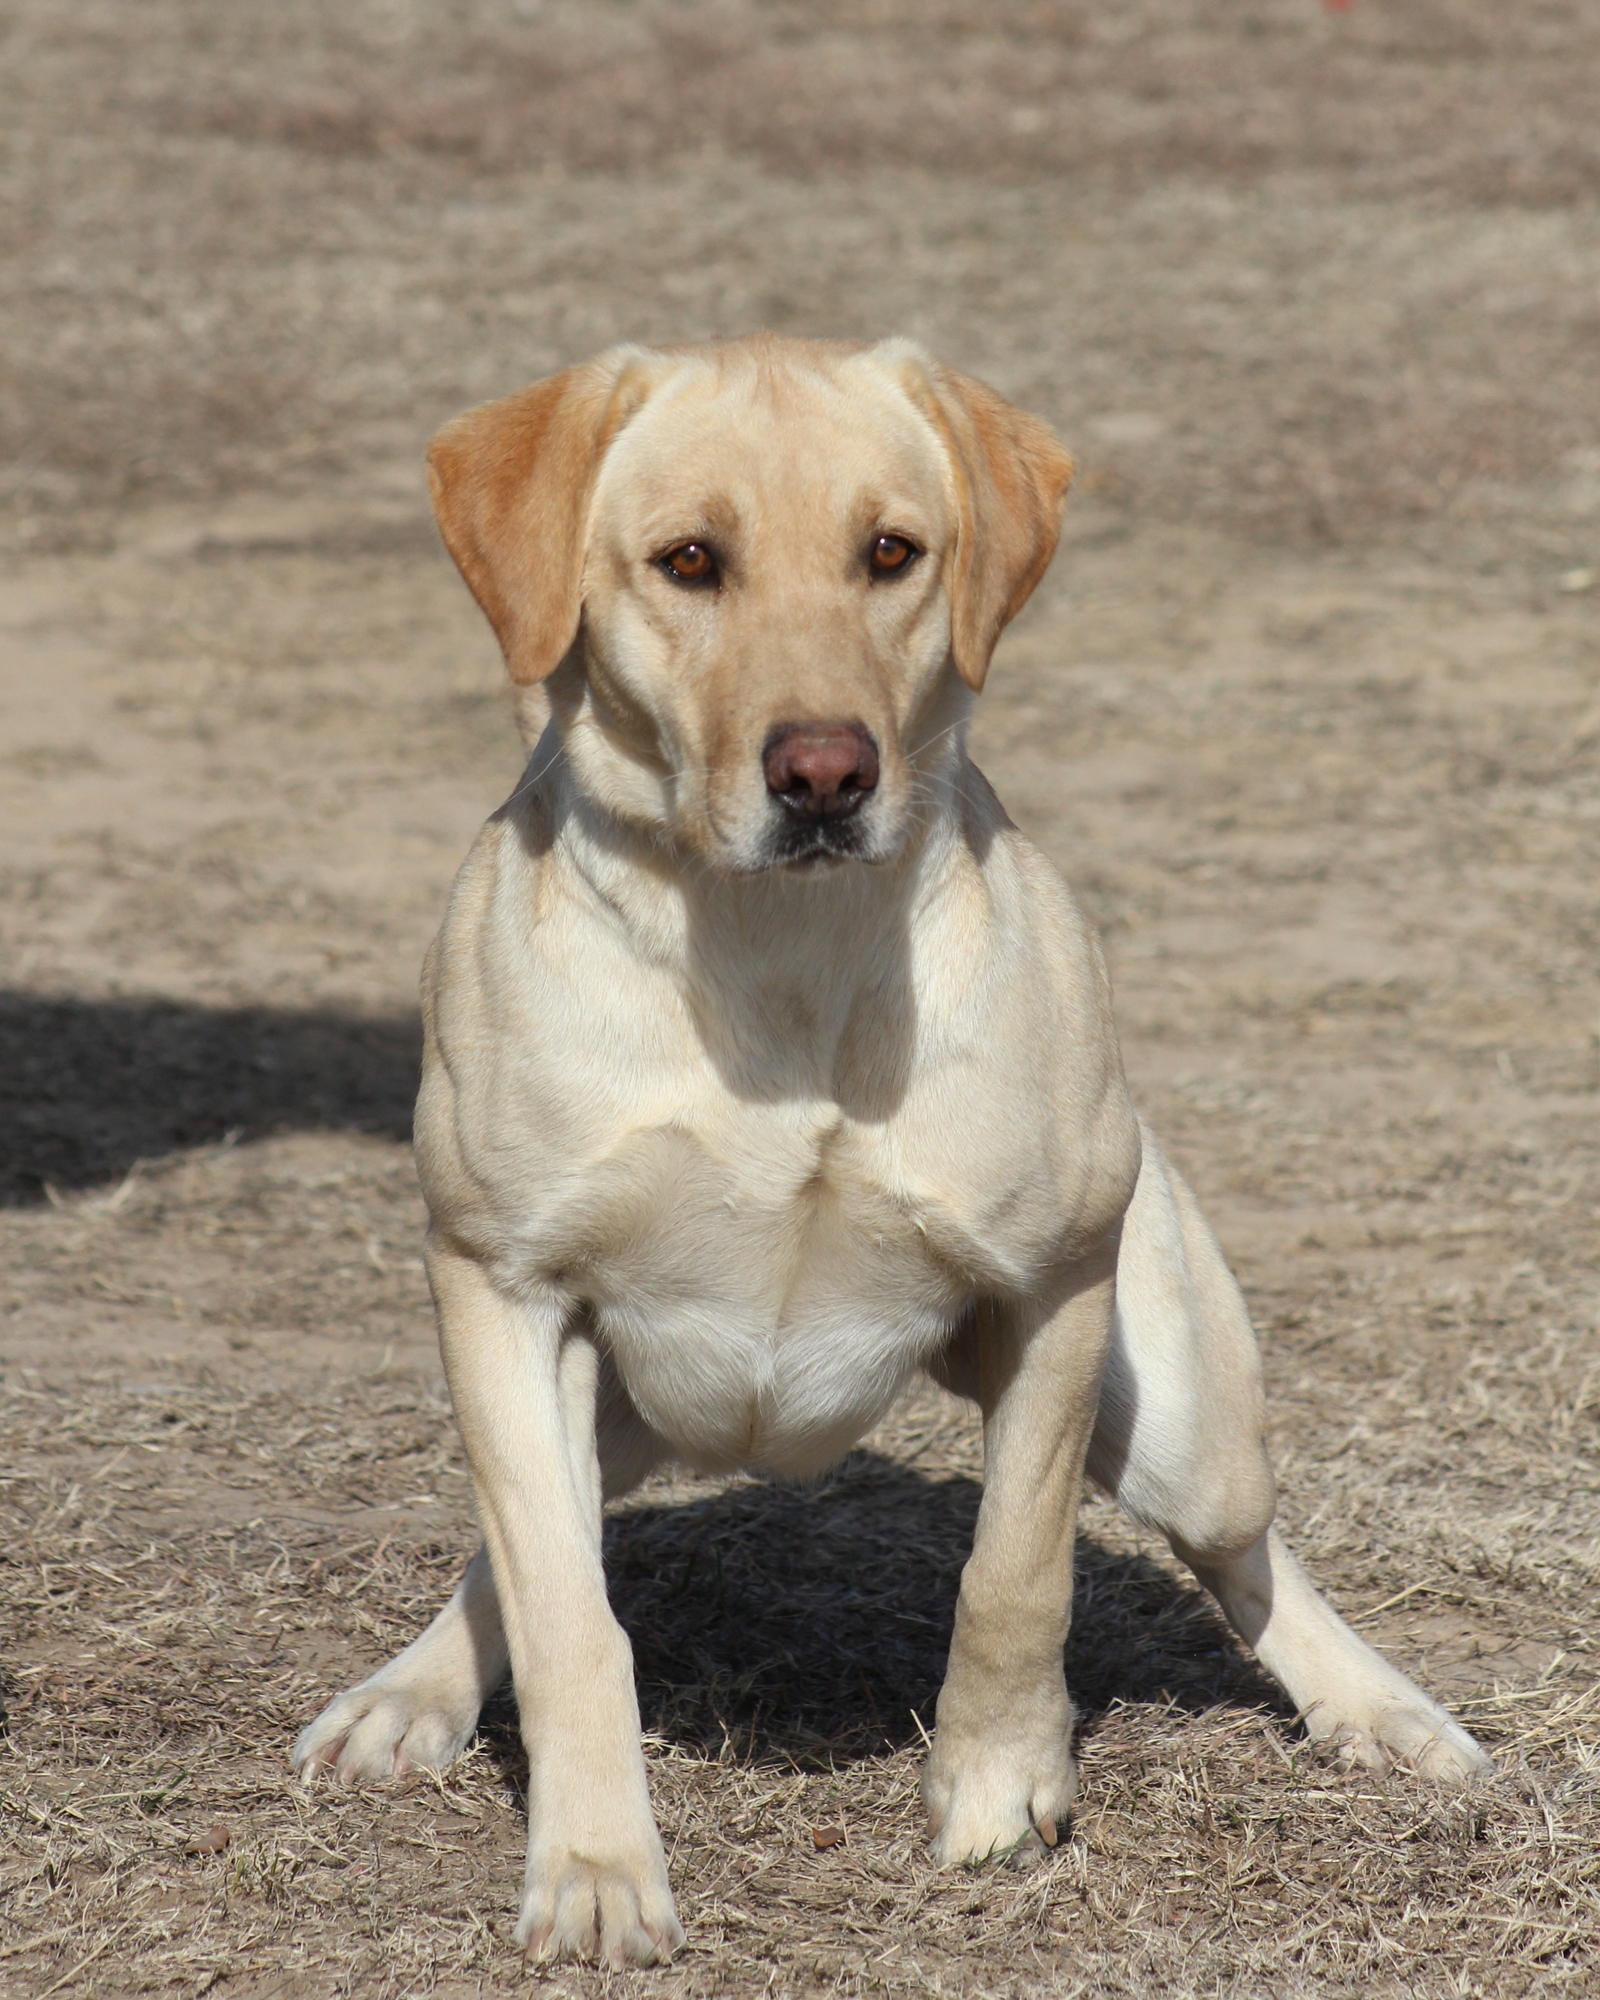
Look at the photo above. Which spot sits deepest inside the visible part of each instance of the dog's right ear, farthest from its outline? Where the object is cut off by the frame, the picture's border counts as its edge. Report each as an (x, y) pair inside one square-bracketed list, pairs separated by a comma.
[(512, 482)]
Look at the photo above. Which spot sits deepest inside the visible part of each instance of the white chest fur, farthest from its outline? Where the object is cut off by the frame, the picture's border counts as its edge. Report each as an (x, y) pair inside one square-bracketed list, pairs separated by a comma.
[(763, 1301)]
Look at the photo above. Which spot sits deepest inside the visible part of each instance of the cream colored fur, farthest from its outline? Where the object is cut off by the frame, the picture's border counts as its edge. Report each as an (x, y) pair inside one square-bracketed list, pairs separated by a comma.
[(720, 1150)]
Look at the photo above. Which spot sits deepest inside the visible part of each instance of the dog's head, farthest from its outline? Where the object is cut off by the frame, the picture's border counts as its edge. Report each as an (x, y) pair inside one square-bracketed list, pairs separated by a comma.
[(762, 578)]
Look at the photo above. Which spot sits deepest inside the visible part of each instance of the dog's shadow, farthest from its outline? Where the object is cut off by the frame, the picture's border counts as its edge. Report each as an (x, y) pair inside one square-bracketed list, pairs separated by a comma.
[(808, 1625), (89, 1087)]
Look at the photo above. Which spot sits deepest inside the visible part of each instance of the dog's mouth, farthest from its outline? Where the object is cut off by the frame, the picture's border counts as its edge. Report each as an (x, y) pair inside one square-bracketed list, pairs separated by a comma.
[(815, 847), (804, 844)]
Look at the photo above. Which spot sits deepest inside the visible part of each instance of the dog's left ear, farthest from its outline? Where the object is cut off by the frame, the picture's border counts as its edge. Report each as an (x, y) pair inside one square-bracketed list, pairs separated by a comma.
[(1011, 474), (512, 482)]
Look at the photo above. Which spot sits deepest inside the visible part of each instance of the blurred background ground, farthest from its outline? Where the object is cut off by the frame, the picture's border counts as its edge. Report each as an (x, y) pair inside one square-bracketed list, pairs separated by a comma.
[(1308, 711)]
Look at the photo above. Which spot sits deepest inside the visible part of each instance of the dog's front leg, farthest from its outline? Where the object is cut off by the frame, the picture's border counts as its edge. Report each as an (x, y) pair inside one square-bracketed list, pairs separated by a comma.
[(1001, 1773), (524, 1383)]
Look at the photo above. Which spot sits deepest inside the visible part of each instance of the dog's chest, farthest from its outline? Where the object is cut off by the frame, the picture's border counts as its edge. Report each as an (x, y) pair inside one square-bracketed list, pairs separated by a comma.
[(764, 1290)]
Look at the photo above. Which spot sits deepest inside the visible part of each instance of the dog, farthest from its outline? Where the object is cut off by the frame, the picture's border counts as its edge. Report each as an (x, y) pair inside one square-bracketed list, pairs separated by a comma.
[(767, 1064)]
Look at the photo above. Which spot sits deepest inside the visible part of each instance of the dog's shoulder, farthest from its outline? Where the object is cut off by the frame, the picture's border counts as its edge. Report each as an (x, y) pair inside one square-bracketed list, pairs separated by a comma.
[(504, 886), (1033, 928), (1035, 1017)]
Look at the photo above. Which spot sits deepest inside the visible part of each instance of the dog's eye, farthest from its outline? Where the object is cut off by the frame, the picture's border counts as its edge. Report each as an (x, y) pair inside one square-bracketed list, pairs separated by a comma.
[(891, 554), (690, 562)]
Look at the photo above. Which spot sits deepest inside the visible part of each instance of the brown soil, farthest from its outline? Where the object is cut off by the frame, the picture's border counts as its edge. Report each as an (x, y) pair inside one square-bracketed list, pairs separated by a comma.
[(1309, 712)]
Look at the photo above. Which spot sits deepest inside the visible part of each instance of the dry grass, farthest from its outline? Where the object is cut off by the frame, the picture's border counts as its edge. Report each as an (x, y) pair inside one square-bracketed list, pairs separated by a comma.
[(1362, 367), (786, 1645), (1458, 98), (191, 1566)]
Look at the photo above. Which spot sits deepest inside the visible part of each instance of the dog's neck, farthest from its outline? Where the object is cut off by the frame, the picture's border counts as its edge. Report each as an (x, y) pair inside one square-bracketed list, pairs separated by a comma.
[(801, 981)]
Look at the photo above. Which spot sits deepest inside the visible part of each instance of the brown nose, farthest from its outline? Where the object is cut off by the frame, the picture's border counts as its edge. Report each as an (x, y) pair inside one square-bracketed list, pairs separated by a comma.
[(821, 770)]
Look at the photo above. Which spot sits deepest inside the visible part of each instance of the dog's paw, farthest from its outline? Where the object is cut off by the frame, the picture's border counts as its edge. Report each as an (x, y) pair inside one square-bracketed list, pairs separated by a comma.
[(599, 1899), (1408, 1730), (1001, 1798), (384, 1729)]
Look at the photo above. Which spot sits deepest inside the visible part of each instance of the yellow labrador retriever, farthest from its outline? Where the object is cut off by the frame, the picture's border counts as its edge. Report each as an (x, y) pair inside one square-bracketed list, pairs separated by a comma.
[(767, 1063)]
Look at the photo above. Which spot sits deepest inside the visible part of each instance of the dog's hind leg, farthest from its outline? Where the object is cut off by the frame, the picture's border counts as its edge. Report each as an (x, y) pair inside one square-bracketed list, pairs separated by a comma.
[(1180, 1441), (420, 1710)]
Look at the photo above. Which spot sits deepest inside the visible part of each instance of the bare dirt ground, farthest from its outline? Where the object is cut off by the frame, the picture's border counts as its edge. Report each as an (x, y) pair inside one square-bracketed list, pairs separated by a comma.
[(1309, 712)]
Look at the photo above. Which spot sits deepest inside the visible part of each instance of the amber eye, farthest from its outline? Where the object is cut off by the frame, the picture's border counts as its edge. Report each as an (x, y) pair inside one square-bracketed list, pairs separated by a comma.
[(891, 554), (692, 562)]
